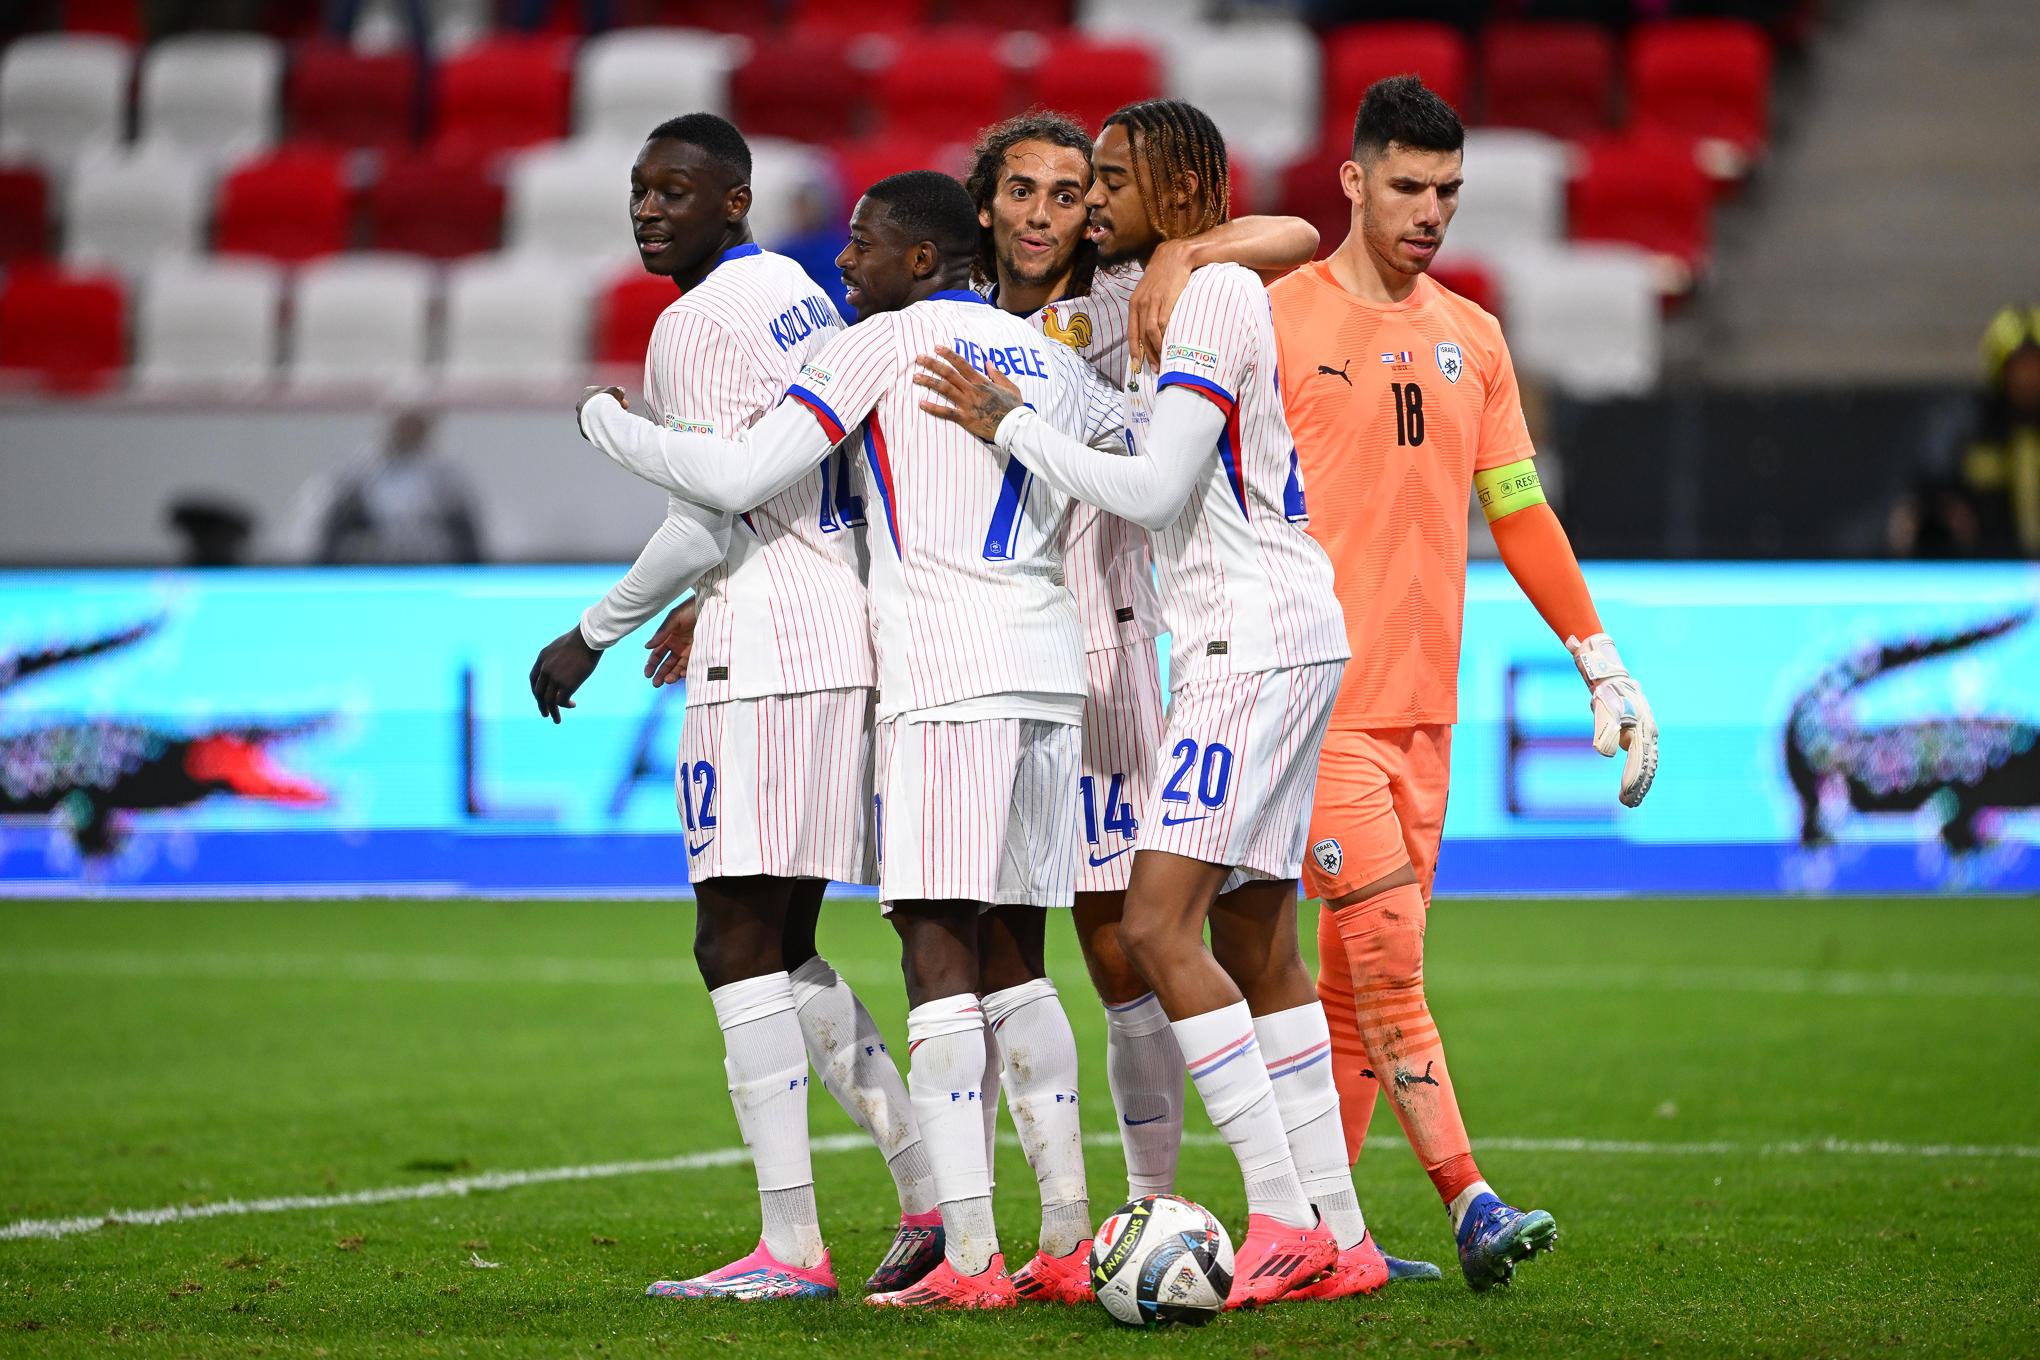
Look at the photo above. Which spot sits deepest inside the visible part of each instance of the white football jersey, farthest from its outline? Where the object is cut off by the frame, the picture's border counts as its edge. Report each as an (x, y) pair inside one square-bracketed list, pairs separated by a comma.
[(967, 592), (1105, 558), (785, 612), (1243, 587)]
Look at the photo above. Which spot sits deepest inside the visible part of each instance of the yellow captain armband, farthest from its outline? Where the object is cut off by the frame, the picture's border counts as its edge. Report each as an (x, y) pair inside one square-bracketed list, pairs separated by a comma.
[(1505, 490)]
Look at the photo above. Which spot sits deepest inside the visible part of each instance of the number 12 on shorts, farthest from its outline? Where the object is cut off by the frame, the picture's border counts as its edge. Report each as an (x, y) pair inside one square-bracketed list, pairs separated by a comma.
[(1118, 819)]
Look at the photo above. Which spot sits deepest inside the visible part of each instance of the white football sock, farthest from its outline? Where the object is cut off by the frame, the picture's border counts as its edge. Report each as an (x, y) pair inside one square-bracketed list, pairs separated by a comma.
[(850, 1056), (1040, 1055), (767, 1069), (946, 1038), (988, 1102), (1144, 1068), (1296, 1047), (1225, 1063), (1463, 1201)]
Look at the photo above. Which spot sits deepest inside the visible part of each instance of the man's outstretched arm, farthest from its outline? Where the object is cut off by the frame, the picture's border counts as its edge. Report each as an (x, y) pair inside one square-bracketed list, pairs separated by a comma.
[(730, 475)]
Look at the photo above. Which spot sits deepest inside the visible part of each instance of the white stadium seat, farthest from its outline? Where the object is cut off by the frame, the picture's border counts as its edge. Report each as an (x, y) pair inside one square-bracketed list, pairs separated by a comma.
[(1584, 318), (781, 171), (214, 94), (61, 93), (630, 80), (131, 207), (515, 320), (208, 323), (360, 321), (571, 201), (1259, 80), (1514, 193), (1143, 18)]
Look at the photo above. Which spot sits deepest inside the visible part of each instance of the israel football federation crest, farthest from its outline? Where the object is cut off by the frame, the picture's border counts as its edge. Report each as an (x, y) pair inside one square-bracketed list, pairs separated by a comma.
[(1449, 362), (1328, 855)]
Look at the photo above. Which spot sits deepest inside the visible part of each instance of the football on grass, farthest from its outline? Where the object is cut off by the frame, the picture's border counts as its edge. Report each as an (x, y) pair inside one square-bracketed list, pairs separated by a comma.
[(1161, 1259)]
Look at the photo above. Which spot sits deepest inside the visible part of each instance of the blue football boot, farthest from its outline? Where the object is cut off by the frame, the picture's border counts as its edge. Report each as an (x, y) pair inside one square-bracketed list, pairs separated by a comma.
[(1399, 1269), (1493, 1237), (916, 1250)]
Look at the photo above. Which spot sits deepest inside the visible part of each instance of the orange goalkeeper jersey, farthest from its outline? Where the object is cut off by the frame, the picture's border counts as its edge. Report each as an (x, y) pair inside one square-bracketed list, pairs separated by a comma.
[(1394, 408)]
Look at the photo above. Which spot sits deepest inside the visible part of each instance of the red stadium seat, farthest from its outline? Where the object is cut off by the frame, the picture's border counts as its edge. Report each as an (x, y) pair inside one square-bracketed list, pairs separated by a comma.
[(1470, 281), (861, 164), (442, 205), (24, 213), (290, 205), (798, 87), (503, 93), (64, 330), (341, 97), (1707, 78), (1357, 55), (1088, 79), (625, 313), (714, 16), (1553, 77), (1310, 190), (1648, 190), (940, 80), (115, 18), (1036, 16), (844, 17)]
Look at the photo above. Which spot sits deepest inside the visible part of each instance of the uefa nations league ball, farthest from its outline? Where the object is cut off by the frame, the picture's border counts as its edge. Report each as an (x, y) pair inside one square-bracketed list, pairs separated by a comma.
[(1161, 1259)]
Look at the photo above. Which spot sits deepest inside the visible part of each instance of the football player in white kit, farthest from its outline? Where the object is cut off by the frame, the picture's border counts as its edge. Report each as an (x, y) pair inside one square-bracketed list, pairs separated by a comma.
[(980, 658), (774, 776), (1028, 177), (1258, 649)]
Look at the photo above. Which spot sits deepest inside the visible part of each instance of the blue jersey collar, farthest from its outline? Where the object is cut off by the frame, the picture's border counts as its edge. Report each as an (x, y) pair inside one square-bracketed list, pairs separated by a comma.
[(737, 253), (959, 295)]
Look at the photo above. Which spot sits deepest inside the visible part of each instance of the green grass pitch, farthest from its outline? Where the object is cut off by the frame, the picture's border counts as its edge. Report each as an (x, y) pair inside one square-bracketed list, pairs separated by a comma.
[(1707, 1051)]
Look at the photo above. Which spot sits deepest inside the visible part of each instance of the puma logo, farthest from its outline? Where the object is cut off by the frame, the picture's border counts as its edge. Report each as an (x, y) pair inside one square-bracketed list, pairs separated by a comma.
[(1403, 1077), (1339, 372)]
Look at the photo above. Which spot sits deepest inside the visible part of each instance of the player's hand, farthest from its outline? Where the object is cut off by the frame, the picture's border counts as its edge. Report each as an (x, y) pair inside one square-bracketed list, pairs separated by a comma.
[(1622, 717), (588, 394), (566, 661), (1154, 300), (977, 399), (671, 645)]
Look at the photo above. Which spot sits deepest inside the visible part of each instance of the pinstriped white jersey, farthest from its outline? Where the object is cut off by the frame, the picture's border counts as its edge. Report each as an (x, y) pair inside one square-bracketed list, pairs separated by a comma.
[(1105, 557), (967, 591), (785, 612), (1243, 587)]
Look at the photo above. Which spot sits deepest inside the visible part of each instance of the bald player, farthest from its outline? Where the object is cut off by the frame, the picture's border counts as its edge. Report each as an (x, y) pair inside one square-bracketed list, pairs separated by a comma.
[(1403, 402)]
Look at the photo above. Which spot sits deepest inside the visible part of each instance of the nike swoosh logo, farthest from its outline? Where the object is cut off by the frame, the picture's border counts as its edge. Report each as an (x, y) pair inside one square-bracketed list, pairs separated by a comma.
[(1167, 820), (1136, 1123), (1095, 861), (693, 849)]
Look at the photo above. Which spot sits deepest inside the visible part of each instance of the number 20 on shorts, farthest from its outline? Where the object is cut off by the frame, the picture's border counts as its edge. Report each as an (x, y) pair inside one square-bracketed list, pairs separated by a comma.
[(1213, 774)]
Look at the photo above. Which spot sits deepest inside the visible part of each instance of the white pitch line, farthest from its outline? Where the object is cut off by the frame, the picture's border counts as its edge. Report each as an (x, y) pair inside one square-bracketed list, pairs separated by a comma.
[(53, 1228), (565, 969)]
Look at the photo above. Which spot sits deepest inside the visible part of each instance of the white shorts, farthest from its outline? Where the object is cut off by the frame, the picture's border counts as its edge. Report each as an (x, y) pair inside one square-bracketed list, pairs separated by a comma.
[(1122, 728), (778, 786), (982, 811), (1238, 769)]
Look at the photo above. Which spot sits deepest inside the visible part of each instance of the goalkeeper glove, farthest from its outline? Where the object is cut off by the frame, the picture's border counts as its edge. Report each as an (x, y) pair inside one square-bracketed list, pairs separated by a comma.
[(1622, 716)]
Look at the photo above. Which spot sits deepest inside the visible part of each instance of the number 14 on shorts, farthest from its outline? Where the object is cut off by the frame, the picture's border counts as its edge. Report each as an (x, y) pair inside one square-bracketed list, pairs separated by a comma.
[(1117, 819)]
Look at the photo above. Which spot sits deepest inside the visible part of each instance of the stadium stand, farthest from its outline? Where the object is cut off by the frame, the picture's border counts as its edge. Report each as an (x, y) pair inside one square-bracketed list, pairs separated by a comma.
[(1357, 55), (61, 93), (292, 205), (1554, 78), (360, 321), (60, 329), (1087, 78), (1521, 198), (1258, 80), (214, 95), (24, 213), (345, 98), (569, 201), (1708, 79), (939, 79), (848, 18), (435, 203), (504, 93), (625, 312), (1645, 188), (795, 86), (132, 207), (208, 324), (1585, 319)]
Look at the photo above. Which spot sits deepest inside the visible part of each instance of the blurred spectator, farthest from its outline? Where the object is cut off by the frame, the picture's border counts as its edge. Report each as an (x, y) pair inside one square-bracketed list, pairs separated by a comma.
[(818, 238), (408, 505), (215, 532), (1990, 507), (2002, 463)]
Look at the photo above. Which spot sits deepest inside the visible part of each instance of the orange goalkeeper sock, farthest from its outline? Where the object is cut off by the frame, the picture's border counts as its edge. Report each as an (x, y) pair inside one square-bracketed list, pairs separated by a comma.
[(1351, 1071), (1383, 940)]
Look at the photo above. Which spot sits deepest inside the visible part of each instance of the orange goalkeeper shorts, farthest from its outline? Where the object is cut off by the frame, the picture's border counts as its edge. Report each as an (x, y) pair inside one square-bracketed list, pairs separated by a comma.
[(1380, 802)]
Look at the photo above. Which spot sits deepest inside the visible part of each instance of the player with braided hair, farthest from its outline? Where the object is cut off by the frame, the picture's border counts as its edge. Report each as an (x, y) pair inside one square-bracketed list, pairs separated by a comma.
[(1258, 649)]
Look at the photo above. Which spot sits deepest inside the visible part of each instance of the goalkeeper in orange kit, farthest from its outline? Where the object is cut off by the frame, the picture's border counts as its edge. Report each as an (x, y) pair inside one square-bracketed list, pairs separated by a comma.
[(1403, 403)]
